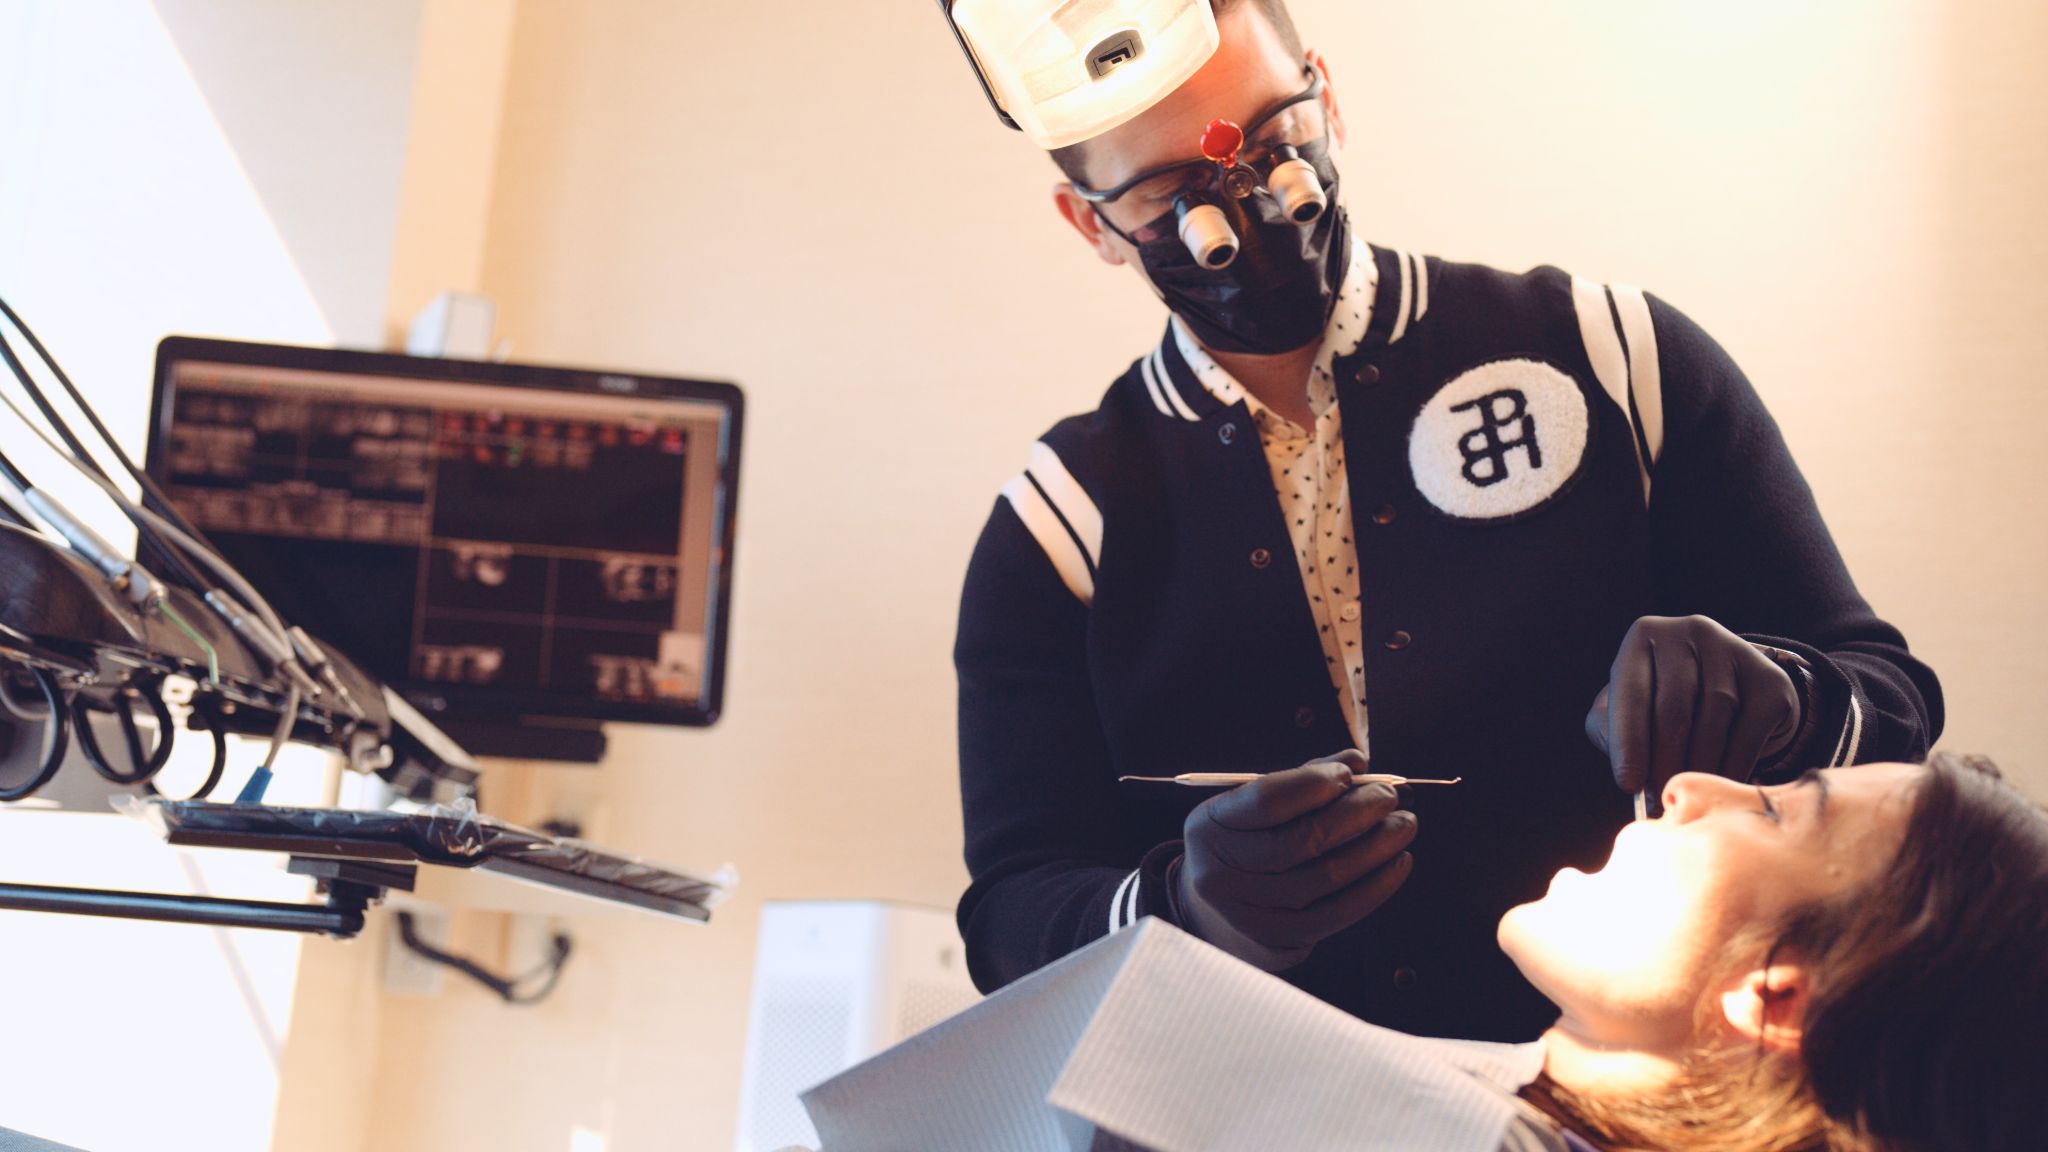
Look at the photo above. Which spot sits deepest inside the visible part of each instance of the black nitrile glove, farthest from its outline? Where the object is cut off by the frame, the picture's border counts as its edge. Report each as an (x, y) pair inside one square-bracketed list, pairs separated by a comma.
[(1271, 867), (1687, 695)]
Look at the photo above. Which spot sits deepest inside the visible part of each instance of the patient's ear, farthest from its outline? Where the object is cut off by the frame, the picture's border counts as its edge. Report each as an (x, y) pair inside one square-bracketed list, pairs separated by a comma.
[(1768, 1005)]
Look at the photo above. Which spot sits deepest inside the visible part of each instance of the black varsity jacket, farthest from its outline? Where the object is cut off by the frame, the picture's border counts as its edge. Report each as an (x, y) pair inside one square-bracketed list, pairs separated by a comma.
[(1535, 461)]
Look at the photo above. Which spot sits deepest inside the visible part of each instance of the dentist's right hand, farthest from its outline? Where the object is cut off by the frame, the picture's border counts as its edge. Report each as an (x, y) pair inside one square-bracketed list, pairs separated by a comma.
[(1270, 868)]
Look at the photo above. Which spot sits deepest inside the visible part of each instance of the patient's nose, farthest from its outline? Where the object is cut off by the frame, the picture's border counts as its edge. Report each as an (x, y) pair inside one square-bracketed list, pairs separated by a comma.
[(1690, 795)]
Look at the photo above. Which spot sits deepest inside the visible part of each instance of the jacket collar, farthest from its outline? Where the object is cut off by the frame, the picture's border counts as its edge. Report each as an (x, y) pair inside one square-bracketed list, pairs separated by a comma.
[(1186, 383), (1403, 296)]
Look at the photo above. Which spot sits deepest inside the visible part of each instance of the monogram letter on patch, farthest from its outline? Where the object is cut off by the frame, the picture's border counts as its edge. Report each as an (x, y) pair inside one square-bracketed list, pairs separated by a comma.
[(1486, 450), (1499, 440)]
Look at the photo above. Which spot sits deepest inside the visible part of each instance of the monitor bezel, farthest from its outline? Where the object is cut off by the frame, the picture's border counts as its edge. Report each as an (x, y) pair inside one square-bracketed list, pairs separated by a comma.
[(501, 705)]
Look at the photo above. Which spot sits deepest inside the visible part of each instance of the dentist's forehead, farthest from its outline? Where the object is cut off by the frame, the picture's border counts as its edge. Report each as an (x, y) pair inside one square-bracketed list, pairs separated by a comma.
[(1250, 71)]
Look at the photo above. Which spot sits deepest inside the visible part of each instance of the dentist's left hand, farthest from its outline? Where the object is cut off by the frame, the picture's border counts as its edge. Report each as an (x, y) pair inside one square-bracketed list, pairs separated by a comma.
[(1685, 694)]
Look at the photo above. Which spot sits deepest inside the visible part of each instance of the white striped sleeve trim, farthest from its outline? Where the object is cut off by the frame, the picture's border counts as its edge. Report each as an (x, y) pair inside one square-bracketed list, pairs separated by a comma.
[(1610, 363), (1407, 299), (1069, 498), (1421, 288), (1152, 386), (1156, 364), (1123, 906), (1645, 378), (1852, 735), (1052, 536)]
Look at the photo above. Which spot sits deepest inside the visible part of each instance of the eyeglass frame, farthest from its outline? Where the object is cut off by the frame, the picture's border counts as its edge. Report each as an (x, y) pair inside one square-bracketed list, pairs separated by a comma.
[(1111, 195)]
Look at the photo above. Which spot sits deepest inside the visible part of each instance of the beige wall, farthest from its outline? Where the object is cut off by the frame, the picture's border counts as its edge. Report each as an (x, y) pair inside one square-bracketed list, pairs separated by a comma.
[(809, 198)]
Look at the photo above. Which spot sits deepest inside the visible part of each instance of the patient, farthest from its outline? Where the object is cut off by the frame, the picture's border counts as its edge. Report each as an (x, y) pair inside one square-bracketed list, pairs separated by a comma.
[(1858, 960), (1853, 962)]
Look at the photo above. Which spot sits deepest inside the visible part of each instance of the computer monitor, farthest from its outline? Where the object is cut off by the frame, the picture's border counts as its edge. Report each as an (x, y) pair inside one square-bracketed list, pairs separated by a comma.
[(504, 544)]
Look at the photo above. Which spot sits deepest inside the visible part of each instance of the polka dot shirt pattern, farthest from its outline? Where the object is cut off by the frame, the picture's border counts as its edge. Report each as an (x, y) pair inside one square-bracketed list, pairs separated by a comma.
[(1310, 480)]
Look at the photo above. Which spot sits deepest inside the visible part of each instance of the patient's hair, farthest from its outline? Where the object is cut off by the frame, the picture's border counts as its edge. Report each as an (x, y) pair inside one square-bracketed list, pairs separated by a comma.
[(1927, 1030), (1073, 159)]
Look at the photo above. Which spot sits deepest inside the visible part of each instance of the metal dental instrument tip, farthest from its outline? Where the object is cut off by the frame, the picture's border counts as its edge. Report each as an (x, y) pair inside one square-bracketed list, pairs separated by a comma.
[(1233, 779)]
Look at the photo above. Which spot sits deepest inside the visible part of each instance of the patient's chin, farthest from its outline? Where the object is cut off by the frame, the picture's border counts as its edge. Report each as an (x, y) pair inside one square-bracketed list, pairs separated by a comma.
[(1600, 1003), (1519, 935), (1580, 946), (1521, 938)]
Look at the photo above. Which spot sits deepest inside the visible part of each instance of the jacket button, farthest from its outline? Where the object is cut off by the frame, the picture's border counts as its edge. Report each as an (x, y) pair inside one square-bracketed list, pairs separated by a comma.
[(1386, 515), (1398, 639), (1404, 978), (1304, 717), (1227, 433), (1261, 557), (1368, 374)]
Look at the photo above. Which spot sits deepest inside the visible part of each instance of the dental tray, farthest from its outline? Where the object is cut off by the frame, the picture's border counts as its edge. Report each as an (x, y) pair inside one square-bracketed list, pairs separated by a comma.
[(451, 836)]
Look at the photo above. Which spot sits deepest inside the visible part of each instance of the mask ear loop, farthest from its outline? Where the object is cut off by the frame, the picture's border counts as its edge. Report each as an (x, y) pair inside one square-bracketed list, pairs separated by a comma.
[(1126, 237)]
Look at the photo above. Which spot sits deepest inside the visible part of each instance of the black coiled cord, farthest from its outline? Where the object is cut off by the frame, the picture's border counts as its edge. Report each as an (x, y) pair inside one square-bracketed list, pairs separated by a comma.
[(220, 753), (59, 739), (144, 765)]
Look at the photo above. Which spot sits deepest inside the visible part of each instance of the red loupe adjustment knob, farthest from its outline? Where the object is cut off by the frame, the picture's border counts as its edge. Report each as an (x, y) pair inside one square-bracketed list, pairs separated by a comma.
[(1221, 141)]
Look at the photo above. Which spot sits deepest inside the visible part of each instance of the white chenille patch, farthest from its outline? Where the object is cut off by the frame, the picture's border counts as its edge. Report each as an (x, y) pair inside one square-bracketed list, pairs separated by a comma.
[(1499, 440)]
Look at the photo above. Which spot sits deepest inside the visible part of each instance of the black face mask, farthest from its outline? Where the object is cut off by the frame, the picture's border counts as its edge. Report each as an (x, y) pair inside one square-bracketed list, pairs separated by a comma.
[(1278, 294)]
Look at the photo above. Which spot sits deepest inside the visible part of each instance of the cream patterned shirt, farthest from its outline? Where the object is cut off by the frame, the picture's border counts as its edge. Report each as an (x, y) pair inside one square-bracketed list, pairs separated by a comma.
[(1309, 478)]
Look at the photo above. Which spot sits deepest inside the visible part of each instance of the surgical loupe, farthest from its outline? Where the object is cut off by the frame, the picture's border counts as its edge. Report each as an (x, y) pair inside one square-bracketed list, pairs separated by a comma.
[(1201, 192), (1295, 185), (1292, 181)]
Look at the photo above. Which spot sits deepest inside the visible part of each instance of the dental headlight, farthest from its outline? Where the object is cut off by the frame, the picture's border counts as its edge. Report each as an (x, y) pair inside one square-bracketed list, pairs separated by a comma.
[(1062, 71)]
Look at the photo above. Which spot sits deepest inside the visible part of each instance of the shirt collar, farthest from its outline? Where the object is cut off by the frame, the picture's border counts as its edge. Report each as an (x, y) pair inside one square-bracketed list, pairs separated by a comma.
[(1350, 323)]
